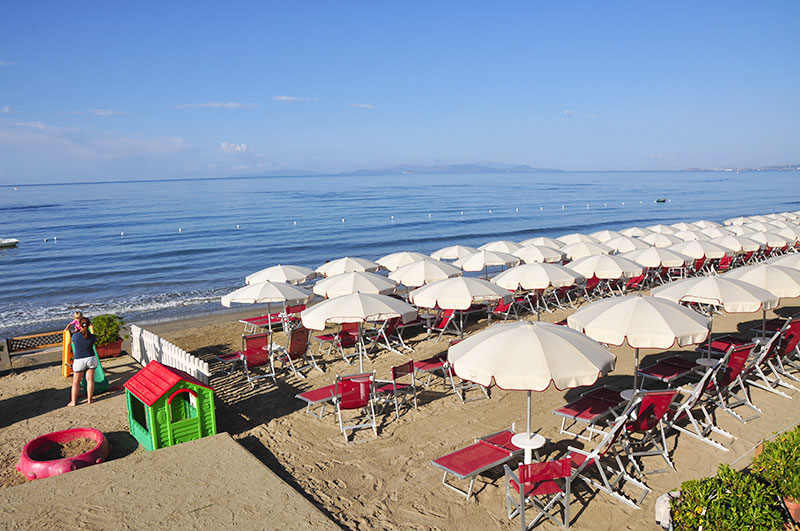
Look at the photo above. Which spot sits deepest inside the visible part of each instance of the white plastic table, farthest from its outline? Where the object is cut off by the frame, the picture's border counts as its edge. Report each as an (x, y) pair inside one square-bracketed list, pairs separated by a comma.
[(529, 444)]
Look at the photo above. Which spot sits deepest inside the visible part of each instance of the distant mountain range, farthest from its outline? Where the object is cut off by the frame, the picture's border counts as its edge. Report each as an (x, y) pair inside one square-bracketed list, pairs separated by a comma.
[(487, 167)]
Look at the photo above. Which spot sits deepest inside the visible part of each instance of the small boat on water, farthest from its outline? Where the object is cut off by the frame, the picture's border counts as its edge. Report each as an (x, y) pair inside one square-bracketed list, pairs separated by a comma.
[(661, 200), (8, 242)]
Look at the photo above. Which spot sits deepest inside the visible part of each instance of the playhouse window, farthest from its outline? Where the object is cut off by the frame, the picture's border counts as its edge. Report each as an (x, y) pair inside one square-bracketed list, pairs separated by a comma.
[(138, 412), (183, 406)]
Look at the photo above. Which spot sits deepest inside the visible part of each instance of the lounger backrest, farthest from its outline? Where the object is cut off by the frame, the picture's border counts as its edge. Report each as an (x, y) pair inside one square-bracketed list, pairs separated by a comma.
[(735, 366), (298, 343), (350, 328), (592, 283), (291, 310), (444, 318), (403, 370), (538, 472), (652, 409), (391, 326), (256, 341), (698, 264), (354, 392)]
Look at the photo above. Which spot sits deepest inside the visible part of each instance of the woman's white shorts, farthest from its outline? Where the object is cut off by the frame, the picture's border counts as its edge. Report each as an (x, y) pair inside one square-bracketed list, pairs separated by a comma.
[(82, 364)]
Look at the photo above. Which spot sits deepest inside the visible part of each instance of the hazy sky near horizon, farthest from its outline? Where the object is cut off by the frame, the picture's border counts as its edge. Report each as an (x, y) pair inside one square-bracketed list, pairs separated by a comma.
[(111, 91)]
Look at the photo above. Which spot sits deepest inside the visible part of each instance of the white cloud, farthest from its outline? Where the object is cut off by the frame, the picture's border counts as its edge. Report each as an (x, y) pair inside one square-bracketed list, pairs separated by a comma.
[(362, 105), (568, 113), (293, 99), (5, 110), (104, 113), (216, 105), (230, 149)]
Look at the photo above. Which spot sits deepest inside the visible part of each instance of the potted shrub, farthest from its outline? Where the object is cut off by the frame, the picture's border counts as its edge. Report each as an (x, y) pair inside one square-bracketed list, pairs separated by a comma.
[(779, 463), (107, 328), (729, 500)]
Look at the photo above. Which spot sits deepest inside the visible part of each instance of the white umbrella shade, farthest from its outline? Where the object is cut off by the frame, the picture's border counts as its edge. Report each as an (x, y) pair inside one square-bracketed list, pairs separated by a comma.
[(759, 226), (635, 232), (660, 239), (738, 230), (662, 229), (733, 296), (424, 272), (483, 259), (736, 221), (503, 246), (682, 225), (458, 293), (354, 282), (539, 253), (758, 218), (395, 261), (542, 240), (604, 235), (737, 244), (356, 308), (781, 281), (706, 224), (526, 356), (346, 265), (788, 260), (770, 239), (537, 276), (581, 249), (268, 293), (691, 235), (717, 232), (290, 274), (576, 237), (606, 267), (701, 249), (453, 252), (642, 322), (791, 233), (626, 244), (658, 257)]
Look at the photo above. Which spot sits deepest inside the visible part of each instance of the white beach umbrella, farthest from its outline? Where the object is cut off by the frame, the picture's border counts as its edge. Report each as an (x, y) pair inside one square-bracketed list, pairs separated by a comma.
[(732, 296), (717, 232), (346, 265), (537, 276), (660, 239), (503, 246), (738, 230), (758, 218), (700, 249), (354, 282), (691, 235), (458, 293), (606, 267), (482, 260), (526, 356), (453, 252), (759, 226), (706, 224), (604, 235), (635, 232), (782, 223), (682, 225), (542, 240), (290, 274), (790, 233), (581, 249), (642, 322), (626, 244), (781, 281), (769, 239), (775, 217), (356, 308), (394, 261), (539, 253), (789, 215), (268, 293), (662, 229), (424, 272), (737, 244), (788, 260), (741, 220), (576, 237), (657, 257)]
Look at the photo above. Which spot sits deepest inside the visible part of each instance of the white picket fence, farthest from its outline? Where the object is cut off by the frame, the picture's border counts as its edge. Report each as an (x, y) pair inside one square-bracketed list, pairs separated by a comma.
[(147, 347)]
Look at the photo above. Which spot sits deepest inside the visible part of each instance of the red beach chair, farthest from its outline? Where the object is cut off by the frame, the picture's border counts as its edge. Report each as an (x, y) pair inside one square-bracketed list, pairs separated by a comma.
[(668, 370), (550, 480), (591, 409), (355, 392), (391, 391), (644, 435), (297, 350)]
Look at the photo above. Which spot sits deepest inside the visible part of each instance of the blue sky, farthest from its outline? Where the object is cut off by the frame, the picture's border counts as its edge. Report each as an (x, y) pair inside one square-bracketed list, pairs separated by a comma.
[(148, 90)]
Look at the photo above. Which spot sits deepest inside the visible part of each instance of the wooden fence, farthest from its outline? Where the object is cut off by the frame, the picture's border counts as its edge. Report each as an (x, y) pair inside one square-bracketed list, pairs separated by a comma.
[(147, 347)]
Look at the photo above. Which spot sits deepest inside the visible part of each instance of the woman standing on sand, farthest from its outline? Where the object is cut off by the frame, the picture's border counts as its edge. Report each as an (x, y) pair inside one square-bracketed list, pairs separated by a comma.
[(84, 361)]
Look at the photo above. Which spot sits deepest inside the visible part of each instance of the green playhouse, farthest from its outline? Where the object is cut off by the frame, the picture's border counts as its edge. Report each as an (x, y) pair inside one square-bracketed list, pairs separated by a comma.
[(167, 407)]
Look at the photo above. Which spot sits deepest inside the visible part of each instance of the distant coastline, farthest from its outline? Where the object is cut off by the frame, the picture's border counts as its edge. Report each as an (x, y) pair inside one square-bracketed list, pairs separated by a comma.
[(788, 167)]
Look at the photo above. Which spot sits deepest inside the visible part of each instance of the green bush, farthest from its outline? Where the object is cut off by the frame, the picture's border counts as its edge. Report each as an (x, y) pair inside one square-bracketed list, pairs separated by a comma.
[(728, 501), (779, 463), (107, 328)]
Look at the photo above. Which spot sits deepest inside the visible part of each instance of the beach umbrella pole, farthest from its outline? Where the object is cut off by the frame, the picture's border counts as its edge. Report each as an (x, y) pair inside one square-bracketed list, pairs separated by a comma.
[(636, 371), (528, 422)]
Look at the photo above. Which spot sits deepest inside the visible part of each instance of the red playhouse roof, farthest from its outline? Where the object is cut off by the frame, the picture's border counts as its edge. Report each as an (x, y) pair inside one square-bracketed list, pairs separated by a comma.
[(155, 379)]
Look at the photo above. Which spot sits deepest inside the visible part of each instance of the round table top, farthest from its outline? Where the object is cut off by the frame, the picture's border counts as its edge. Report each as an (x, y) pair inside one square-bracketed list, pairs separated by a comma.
[(627, 394), (707, 362), (534, 442)]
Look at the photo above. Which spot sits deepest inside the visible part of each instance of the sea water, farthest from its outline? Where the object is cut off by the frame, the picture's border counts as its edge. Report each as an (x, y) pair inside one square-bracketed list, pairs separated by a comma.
[(155, 250)]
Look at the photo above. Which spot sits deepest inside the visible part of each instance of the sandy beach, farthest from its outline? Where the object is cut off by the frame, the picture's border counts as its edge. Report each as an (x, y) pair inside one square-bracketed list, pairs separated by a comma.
[(373, 483)]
